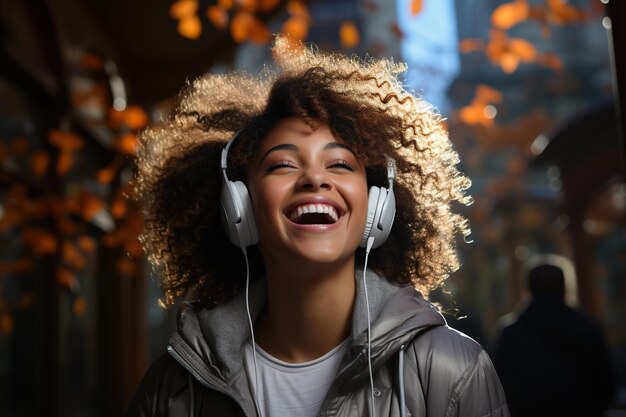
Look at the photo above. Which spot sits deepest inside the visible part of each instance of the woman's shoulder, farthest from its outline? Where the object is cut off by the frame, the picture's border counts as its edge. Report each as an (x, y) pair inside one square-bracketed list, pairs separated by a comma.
[(164, 379), (166, 369), (458, 373), (446, 351)]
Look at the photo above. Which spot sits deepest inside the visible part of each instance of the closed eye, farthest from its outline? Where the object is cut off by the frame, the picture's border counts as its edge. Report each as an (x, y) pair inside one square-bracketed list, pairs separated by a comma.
[(342, 164), (280, 164)]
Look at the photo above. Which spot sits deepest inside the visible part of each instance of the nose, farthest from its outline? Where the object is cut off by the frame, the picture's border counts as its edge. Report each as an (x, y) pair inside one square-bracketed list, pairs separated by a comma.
[(313, 179)]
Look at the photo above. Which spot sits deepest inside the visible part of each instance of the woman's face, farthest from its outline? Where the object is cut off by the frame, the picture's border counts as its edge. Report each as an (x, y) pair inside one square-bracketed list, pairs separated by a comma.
[(309, 194)]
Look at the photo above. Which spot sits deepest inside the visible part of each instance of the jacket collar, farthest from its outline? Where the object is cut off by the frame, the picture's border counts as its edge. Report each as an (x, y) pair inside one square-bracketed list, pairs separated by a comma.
[(217, 336)]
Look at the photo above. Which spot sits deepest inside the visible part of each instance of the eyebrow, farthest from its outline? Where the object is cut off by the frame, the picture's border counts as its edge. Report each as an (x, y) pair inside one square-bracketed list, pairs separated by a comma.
[(335, 145), (292, 147)]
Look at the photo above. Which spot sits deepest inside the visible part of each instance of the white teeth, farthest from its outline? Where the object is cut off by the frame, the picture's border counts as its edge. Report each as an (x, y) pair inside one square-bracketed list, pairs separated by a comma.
[(314, 208)]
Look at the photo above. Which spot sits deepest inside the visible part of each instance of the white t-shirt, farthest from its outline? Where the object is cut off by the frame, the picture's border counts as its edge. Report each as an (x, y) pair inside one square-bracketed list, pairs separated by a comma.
[(291, 389)]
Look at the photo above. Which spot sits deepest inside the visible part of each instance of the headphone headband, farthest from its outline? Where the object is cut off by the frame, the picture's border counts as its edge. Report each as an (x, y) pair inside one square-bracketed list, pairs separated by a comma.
[(224, 157)]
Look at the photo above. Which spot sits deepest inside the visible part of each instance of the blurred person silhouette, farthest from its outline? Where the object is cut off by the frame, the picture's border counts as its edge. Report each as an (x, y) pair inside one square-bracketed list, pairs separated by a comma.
[(552, 358)]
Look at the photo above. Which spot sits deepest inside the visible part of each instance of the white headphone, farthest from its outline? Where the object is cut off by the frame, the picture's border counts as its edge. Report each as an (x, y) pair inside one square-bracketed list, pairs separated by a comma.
[(381, 210), (238, 216)]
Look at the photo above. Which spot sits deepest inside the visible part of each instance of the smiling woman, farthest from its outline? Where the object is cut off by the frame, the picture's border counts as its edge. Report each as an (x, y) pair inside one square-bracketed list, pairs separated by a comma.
[(327, 315), (309, 195)]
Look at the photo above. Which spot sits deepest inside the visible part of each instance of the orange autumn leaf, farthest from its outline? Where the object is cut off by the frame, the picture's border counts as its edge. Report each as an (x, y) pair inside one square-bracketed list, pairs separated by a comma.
[(497, 45), (106, 175), (65, 141), (65, 162), (474, 115), (190, 27), (183, 8), (396, 31), (39, 163), (471, 45), (44, 244), (127, 144), (508, 62), (245, 26), (218, 16), (6, 323), (268, 5), (508, 15), (416, 7), (240, 26), (92, 62), (79, 306), (119, 208), (225, 4), (133, 248), (71, 205), (90, 207), (64, 225), (247, 5), (126, 267), (17, 266), (72, 256), (539, 14), (135, 117), (486, 94), (112, 239), (524, 50), (297, 8), (551, 61), (86, 243), (259, 32), (562, 13), (508, 53), (348, 35), (296, 27), (66, 279)]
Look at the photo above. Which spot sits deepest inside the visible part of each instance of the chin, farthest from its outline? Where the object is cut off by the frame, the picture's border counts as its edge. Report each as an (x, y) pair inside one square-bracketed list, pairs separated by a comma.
[(324, 254)]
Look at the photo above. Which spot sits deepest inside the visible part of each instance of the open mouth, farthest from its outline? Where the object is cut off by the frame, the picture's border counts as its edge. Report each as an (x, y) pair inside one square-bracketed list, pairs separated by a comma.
[(314, 214)]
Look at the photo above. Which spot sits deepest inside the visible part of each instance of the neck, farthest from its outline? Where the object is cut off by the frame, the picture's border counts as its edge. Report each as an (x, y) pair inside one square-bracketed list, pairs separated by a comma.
[(309, 310)]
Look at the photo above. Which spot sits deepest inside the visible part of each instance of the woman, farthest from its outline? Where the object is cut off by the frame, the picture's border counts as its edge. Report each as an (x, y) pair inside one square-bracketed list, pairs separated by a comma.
[(304, 300)]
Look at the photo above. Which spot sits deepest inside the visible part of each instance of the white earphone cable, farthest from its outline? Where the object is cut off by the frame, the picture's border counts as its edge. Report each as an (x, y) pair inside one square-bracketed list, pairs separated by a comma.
[(370, 243), (256, 373)]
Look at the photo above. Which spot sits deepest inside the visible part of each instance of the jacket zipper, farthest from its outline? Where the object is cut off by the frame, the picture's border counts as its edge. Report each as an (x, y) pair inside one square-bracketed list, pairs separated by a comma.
[(200, 378), (322, 411)]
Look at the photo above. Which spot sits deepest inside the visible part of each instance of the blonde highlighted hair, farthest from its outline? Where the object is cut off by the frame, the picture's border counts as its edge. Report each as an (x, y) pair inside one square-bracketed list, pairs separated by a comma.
[(362, 102)]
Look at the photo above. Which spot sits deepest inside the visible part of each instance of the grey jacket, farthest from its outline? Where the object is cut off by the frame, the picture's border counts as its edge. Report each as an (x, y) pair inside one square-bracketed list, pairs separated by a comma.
[(419, 363)]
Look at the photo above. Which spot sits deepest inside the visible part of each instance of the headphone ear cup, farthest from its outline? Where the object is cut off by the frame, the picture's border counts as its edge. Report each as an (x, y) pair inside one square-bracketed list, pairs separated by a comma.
[(247, 229), (237, 215), (372, 202), (384, 221), (381, 211)]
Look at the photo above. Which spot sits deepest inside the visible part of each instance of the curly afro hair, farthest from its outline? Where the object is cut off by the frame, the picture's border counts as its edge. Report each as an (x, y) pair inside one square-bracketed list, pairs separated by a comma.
[(363, 103)]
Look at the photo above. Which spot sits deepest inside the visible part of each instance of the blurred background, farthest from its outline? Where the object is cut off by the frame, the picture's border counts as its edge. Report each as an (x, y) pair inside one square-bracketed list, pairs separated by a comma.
[(530, 94)]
